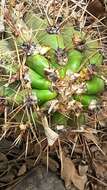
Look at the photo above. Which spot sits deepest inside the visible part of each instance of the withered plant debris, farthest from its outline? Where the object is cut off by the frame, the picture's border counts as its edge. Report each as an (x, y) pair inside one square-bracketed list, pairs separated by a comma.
[(70, 175)]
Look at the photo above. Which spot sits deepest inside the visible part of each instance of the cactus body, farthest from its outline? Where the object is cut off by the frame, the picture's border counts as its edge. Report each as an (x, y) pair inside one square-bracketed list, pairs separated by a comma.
[(56, 74)]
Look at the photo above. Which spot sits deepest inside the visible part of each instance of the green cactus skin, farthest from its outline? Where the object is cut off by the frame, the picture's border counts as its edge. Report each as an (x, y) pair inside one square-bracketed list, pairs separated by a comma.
[(87, 100), (53, 41), (96, 59), (74, 61), (59, 119), (37, 81), (38, 63), (95, 85), (6, 91), (41, 96), (44, 95), (7, 58)]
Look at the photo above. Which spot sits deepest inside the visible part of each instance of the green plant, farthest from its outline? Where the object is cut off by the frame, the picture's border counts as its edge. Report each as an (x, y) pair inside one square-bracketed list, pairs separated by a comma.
[(61, 65)]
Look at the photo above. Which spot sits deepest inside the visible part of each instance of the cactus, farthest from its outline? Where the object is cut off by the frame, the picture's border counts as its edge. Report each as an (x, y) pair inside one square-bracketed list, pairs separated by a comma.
[(61, 65)]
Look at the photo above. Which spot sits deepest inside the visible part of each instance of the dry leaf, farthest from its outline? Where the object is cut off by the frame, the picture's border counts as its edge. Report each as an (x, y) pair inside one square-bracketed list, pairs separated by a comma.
[(83, 169), (22, 170), (100, 169), (96, 8), (51, 135), (70, 175)]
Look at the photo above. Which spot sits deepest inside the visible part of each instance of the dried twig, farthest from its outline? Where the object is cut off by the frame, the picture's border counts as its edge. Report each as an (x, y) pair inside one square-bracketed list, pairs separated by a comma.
[(2, 6)]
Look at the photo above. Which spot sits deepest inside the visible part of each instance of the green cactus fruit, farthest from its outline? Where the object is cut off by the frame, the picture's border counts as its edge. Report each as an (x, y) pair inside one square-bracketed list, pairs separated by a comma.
[(38, 63), (74, 61), (95, 86), (37, 81), (43, 95)]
